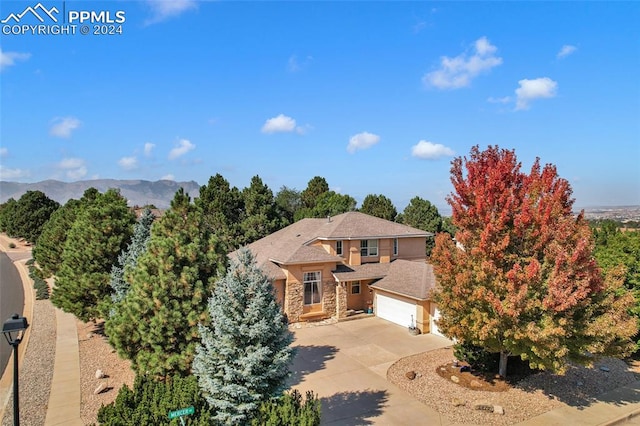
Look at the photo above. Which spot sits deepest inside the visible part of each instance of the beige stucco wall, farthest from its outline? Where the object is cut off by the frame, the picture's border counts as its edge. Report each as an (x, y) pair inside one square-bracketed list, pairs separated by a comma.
[(412, 248), (359, 301), (423, 318)]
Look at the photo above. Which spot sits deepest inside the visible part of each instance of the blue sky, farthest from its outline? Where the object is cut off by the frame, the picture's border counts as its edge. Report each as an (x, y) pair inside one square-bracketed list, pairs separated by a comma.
[(377, 97)]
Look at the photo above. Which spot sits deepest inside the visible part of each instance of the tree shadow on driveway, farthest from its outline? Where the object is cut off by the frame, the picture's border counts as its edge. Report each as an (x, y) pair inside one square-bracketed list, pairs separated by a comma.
[(353, 408), (309, 359)]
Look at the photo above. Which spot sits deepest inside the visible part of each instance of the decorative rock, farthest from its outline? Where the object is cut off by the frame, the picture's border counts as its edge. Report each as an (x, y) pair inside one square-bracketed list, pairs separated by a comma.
[(101, 388), (455, 379), (579, 383), (483, 406), (89, 335), (498, 409), (99, 374), (457, 402), (475, 384), (604, 368), (410, 375)]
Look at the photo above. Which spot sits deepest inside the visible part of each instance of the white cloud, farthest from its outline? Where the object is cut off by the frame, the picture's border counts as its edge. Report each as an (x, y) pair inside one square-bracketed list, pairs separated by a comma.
[(430, 151), (74, 168), (128, 163), (161, 10), (279, 124), (148, 148), (8, 59), (566, 50), (181, 149), (294, 65), (534, 89), (62, 127), (7, 173), (4, 152), (168, 177), (362, 140), (458, 72)]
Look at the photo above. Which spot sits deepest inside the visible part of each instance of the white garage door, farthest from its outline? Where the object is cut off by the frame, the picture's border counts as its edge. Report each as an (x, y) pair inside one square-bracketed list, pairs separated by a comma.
[(395, 310), (435, 314)]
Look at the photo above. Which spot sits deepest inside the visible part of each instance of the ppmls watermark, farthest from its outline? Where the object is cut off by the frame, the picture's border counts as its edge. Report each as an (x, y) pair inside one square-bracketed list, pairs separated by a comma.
[(58, 20)]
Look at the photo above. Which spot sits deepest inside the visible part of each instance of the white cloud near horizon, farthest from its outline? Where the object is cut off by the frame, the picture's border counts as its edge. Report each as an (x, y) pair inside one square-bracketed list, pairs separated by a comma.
[(148, 148), (62, 127), (279, 124), (566, 50), (4, 152), (8, 59), (7, 173), (426, 150), (536, 88), (181, 149), (168, 177), (162, 10), (128, 163), (361, 141), (458, 72), (74, 168)]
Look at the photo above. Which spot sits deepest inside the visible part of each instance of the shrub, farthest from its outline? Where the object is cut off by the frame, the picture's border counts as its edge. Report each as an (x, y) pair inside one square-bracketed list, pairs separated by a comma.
[(476, 356), (149, 403), (30, 262), (12, 245), (41, 286), (289, 410)]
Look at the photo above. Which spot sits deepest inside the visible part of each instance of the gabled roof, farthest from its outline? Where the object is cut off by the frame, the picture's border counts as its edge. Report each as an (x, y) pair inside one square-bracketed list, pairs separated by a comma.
[(413, 279), (292, 245)]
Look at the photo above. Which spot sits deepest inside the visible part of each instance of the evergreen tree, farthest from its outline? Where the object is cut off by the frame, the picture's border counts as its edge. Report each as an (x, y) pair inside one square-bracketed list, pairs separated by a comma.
[(261, 216), (33, 210), (129, 257), (243, 359), (156, 324), (379, 206), (222, 208), (423, 215), (100, 231), (288, 202), (50, 246), (7, 217), (522, 280), (316, 187)]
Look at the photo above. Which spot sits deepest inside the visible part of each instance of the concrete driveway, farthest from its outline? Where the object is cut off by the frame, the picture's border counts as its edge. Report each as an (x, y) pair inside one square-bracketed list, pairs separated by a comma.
[(346, 364)]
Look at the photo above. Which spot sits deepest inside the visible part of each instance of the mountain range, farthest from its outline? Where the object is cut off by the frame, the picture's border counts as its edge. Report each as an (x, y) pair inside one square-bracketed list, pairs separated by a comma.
[(137, 192)]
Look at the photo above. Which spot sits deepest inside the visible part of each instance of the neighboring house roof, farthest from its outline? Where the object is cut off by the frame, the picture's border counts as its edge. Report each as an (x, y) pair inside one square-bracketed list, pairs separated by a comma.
[(412, 279)]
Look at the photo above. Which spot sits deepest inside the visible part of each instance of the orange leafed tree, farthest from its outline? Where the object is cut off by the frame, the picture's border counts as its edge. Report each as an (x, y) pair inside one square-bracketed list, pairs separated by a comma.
[(520, 279)]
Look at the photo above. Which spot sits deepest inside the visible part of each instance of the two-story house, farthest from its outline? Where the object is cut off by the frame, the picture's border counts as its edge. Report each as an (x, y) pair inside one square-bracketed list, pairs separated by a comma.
[(350, 263)]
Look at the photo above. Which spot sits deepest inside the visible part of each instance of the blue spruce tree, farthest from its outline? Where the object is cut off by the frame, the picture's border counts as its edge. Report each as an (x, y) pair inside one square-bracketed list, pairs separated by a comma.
[(129, 257), (244, 355)]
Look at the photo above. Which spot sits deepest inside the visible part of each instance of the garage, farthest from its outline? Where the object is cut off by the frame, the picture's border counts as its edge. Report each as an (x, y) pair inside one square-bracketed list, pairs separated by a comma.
[(398, 311), (434, 314)]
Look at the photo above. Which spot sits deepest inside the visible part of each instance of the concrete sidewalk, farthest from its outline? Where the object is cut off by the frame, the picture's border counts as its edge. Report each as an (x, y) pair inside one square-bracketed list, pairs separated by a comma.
[(611, 408), (64, 399)]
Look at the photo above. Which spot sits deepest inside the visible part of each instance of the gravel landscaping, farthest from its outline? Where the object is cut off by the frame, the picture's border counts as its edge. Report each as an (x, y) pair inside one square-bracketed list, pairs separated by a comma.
[(531, 397), (36, 370), (97, 354)]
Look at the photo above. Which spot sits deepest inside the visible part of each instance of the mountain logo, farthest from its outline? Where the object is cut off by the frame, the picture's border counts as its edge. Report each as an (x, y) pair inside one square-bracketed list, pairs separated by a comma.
[(38, 11)]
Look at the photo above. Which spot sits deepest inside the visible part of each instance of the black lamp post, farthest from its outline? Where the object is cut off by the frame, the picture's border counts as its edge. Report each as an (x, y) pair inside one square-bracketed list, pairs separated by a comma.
[(13, 330)]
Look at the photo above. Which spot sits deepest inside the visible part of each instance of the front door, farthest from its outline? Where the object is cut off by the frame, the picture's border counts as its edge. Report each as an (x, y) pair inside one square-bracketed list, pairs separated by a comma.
[(312, 292)]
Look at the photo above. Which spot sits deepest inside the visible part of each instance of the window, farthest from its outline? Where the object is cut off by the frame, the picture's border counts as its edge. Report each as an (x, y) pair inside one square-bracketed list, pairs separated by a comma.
[(395, 246), (339, 248), (355, 287), (312, 287), (368, 248)]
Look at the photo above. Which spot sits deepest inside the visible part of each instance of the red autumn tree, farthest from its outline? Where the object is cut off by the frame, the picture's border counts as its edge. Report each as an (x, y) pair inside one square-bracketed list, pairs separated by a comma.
[(521, 279)]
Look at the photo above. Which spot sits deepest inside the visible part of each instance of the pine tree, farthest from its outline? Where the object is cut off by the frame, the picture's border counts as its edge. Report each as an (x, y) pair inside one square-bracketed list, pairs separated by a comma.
[(129, 257), (48, 251), (522, 280), (244, 356), (423, 215), (261, 216), (156, 324), (33, 210), (379, 206), (101, 230)]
